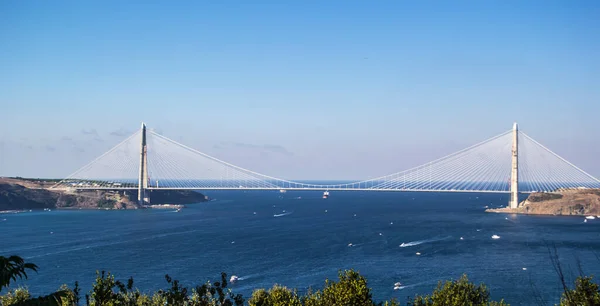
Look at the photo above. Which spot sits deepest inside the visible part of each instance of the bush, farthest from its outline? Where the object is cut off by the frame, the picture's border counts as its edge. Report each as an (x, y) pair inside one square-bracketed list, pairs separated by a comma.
[(15, 296), (585, 293), (351, 289), (276, 296), (457, 293)]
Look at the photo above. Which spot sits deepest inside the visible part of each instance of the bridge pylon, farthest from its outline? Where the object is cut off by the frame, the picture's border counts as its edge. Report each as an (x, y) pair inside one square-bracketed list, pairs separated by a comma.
[(143, 196), (514, 175)]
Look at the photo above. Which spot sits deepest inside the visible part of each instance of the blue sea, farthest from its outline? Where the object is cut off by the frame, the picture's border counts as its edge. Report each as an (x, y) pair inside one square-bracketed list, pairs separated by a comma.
[(298, 239)]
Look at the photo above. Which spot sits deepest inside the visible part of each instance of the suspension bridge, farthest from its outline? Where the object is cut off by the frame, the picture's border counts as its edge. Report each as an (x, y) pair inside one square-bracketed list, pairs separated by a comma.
[(511, 162)]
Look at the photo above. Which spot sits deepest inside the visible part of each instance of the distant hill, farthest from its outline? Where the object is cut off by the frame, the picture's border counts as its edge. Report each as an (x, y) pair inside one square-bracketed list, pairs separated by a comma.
[(22, 194)]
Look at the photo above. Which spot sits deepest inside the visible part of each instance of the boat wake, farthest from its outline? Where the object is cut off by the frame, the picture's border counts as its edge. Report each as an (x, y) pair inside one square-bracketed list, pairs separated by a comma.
[(247, 276), (284, 214), (409, 286), (413, 243)]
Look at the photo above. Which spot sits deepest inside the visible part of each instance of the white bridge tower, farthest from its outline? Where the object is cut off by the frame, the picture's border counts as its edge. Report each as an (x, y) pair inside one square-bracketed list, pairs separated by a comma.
[(514, 175), (143, 196)]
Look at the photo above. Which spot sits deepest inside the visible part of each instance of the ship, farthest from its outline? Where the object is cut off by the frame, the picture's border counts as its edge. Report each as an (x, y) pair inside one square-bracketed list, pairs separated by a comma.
[(325, 194)]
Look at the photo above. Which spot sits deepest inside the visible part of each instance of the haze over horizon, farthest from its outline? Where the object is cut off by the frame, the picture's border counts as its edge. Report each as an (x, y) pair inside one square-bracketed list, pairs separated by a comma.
[(307, 90)]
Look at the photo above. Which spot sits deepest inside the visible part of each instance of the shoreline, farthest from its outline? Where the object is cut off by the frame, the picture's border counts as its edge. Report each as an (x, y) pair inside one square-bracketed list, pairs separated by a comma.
[(153, 206), (516, 212), (580, 202)]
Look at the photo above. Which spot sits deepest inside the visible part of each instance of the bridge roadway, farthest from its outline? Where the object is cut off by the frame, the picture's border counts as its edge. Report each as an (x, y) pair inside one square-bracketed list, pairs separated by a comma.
[(333, 188)]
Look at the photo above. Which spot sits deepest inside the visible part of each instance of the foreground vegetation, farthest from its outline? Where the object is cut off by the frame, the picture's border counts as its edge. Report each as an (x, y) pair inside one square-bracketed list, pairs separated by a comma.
[(350, 289)]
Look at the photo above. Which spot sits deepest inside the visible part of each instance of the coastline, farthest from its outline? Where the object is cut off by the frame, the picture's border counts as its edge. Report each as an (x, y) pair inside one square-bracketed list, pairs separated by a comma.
[(152, 206), (22, 195), (579, 202)]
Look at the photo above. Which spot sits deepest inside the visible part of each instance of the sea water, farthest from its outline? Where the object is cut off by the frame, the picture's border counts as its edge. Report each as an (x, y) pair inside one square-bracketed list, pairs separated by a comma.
[(298, 239)]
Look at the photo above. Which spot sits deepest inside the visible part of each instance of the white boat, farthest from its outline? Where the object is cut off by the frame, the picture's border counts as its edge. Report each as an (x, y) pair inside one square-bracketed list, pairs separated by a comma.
[(325, 194), (398, 284), (590, 217), (233, 279), (397, 287), (349, 244), (282, 190), (495, 237)]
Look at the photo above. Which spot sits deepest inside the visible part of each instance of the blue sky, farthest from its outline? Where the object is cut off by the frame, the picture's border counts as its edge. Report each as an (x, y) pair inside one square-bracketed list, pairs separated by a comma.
[(297, 89)]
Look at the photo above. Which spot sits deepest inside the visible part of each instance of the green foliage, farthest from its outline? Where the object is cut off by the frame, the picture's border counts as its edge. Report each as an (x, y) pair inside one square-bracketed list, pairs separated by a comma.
[(108, 292), (13, 267), (215, 294), (106, 203), (21, 297), (585, 293), (350, 290), (276, 296), (457, 293), (15, 296)]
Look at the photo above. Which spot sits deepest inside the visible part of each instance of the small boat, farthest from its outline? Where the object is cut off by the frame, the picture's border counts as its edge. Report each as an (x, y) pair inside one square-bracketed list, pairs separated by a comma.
[(178, 210), (397, 287), (590, 217), (418, 253), (325, 194), (495, 237), (349, 244), (233, 279), (398, 284), (282, 190)]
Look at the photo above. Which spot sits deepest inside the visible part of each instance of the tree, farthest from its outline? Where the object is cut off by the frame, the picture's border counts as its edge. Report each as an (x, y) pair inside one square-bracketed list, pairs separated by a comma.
[(276, 296), (216, 294), (350, 290), (12, 268), (457, 293), (585, 293)]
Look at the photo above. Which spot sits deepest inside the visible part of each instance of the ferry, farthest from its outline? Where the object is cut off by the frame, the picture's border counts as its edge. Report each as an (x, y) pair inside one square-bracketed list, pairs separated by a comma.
[(325, 194)]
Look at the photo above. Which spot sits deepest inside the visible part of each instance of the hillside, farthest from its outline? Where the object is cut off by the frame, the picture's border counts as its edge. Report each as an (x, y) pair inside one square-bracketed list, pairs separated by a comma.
[(23, 194), (16, 197), (574, 202)]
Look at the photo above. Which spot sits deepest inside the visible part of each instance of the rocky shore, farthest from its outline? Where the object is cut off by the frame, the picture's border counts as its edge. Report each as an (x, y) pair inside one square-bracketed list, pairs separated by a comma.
[(572, 202), (18, 195)]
